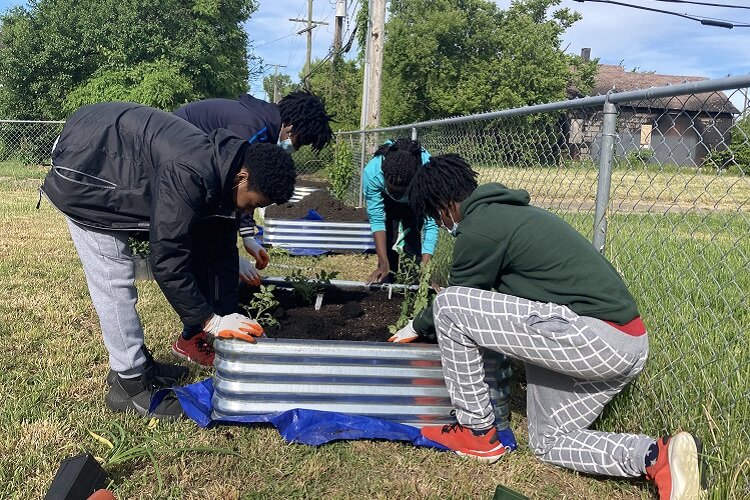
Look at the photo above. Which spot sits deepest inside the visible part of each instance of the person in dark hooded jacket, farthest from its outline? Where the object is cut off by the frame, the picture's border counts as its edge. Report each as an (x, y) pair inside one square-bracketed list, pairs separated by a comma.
[(526, 284), (299, 119), (119, 168)]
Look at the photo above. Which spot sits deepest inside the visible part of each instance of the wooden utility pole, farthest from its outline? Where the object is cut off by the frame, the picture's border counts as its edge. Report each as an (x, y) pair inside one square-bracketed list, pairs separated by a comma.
[(373, 64), (276, 96), (310, 25), (338, 26)]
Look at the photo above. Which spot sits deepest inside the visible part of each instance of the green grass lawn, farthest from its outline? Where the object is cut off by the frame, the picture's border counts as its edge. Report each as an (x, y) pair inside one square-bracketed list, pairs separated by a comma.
[(55, 364)]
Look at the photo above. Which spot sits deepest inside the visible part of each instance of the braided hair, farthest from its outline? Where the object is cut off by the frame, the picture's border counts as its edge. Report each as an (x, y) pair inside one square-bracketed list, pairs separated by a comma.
[(400, 161), (445, 179), (307, 115)]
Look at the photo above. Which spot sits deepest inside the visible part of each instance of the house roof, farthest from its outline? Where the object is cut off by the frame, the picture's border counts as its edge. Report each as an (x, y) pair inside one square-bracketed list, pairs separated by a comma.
[(611, 77)]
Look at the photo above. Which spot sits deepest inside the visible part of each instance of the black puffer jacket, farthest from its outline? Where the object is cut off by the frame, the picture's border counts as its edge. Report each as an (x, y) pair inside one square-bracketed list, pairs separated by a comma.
[(124, 166)]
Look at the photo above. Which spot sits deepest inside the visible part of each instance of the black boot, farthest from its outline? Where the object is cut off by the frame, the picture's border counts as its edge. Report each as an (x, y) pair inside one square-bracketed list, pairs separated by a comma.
[(168, 374), (135, 394)]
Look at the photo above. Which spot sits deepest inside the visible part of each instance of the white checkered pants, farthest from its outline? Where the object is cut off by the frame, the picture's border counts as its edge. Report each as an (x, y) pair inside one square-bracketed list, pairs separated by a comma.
[(574, 366)]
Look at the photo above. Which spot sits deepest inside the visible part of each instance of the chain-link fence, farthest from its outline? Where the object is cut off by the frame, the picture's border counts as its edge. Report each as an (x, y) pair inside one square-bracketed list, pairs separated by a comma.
[(28, 142), (659, 180)]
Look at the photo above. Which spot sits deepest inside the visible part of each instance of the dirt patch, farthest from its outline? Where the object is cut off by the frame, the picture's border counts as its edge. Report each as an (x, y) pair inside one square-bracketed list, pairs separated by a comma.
[(322, 202), (343, 316), (309, 183)]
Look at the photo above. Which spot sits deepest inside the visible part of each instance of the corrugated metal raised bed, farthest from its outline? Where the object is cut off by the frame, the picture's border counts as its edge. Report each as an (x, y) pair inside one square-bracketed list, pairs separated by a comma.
[(300, 192), (399, 382), (320, 235), (317, 235)]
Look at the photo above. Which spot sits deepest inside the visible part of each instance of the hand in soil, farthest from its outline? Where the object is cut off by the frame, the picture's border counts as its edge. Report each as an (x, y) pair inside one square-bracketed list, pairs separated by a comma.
[(379, 274)]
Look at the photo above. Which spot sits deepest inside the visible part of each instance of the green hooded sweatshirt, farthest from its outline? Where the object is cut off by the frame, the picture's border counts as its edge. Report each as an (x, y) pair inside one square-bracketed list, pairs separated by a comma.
[(507, 245)]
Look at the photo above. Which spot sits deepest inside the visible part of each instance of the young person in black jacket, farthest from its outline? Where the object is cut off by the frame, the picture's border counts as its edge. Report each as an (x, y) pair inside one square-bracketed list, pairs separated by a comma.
[(123, 167), (300, 119)]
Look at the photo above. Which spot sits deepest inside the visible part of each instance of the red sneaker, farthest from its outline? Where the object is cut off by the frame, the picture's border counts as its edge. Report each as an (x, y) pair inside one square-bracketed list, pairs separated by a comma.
[(196, 350), (676, 472), (482, 445)]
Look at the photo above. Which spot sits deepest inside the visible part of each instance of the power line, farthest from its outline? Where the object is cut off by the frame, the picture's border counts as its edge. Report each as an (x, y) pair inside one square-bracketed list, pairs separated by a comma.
[(706, 4), (287, 36), (703, 21)]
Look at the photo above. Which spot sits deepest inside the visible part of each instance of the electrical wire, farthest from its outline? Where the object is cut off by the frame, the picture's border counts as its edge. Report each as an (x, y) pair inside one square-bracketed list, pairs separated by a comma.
[(706, 4), (287, 36), (703, 21)]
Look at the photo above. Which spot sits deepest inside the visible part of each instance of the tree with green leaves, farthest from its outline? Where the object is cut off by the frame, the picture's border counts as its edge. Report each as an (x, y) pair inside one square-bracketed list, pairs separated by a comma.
[(339, 84), (56, 55), (453, 57), (282, 82)]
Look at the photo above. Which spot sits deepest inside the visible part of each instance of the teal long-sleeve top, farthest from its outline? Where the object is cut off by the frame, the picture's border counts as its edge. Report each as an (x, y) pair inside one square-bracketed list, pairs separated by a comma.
[(373, 188)]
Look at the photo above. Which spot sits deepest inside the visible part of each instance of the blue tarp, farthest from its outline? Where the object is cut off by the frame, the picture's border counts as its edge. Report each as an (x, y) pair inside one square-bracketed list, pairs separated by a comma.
[(309, 427)]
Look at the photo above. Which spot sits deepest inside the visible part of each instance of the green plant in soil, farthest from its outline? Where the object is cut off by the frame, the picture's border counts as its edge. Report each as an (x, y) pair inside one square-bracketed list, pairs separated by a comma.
[(307, 288), (261, 306), (410, 271)]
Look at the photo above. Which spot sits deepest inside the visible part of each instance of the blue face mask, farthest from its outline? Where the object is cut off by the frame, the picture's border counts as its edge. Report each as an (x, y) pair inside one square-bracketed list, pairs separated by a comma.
[(286, 145)]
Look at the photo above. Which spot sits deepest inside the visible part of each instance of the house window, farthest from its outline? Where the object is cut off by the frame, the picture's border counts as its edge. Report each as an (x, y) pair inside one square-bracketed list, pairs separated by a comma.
[(646, 129)]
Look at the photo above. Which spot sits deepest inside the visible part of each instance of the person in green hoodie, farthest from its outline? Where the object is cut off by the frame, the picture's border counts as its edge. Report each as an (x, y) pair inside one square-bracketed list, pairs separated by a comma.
[(526, 284)]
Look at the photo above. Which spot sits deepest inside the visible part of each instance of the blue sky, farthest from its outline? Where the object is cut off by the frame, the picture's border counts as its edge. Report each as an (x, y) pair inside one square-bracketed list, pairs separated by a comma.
[(648, 41)]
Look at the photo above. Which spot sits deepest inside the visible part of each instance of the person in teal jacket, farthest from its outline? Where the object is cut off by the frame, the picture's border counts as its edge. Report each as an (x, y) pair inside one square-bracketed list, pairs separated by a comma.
[(384, 182), (526, 284)]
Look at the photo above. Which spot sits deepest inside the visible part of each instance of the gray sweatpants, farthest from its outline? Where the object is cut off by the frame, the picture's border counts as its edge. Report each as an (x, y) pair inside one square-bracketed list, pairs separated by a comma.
[(574, 366), (110, 274)]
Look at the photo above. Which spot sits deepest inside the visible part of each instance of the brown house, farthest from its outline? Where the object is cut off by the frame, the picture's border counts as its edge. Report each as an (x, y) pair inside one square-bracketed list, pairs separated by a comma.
[(678, 130)]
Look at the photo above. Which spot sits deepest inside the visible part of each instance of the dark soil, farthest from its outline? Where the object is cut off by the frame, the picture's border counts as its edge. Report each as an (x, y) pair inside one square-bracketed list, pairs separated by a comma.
[(343, 316), (322, 202), (312, 183)]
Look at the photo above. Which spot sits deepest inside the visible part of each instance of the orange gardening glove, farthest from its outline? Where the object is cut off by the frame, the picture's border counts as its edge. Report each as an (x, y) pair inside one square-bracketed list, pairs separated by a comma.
[(233, 326), (405, 335)]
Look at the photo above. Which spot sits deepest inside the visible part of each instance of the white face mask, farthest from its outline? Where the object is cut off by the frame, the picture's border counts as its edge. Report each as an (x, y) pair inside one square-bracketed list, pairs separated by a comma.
[(453, 229), (286, 145)]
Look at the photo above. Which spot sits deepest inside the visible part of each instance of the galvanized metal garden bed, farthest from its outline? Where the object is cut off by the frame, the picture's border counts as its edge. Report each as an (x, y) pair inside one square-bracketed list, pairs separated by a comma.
[(319, 235), (398, 382)]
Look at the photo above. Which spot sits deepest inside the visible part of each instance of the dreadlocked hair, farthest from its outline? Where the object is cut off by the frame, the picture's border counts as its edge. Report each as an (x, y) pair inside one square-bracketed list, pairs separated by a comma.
[(399, 168), (443, 180), (408, 145), (307, 115)]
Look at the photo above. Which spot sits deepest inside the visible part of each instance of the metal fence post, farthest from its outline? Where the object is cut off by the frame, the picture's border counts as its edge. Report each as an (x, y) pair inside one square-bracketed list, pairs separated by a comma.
[(363, 153), (605, 175)]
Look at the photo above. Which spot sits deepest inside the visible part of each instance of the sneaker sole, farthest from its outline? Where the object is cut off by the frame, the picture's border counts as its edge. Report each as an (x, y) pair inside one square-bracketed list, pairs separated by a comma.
[(684, 452), (187, 358), (483, 456)]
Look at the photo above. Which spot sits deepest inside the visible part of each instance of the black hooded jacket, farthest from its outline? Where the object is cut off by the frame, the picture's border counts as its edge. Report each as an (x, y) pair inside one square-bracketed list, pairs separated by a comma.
[(124, 166)]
